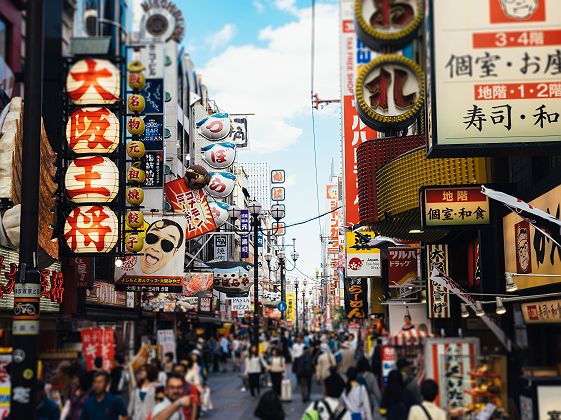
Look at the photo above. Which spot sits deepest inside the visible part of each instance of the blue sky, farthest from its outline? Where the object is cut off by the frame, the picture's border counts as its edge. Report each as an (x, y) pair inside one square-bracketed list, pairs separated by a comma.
[(254, 56)]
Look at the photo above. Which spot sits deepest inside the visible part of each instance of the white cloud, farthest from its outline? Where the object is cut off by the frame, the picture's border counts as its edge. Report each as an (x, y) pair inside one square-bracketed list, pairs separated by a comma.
[(290, 181), (273, 81), (287, 5), (222, 37), (259, 6)]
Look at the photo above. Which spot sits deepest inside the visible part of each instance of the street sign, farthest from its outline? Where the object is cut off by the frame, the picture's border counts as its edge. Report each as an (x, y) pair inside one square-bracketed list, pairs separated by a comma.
[(281, 306)]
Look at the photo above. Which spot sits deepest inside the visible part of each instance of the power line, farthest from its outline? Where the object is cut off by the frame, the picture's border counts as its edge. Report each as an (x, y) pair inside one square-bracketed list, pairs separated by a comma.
[(309, 220)]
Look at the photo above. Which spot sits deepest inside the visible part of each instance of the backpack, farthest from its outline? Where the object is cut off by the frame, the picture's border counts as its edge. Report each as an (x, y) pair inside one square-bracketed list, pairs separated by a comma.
[(313, 414)]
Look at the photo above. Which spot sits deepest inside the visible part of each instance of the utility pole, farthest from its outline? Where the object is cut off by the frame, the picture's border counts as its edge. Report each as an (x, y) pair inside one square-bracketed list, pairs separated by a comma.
[(27, 290)]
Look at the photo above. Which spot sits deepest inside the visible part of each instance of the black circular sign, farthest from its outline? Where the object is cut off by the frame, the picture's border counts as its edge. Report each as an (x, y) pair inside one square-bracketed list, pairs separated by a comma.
[(157, 25)]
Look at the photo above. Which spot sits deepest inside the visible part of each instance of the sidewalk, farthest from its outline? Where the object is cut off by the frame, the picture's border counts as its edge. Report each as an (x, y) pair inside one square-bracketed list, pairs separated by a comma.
[(232, 404)]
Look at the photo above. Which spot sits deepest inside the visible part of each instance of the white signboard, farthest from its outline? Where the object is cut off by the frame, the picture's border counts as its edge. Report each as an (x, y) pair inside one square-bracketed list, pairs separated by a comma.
[(166, 339), (240, 304), (220, 248), (495, 73)]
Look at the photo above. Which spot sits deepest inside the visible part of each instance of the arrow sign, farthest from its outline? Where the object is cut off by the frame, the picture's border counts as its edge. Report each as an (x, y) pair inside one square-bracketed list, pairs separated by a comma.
[(281, 306)]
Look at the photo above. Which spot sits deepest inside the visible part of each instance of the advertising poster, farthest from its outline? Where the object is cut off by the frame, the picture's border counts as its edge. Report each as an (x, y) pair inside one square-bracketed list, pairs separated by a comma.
[(362, 259), (198, 284), (169, 302), (154, 167), (192, 203), (159, 266), (332, 220), (153, 92), (402, 266), (240, 305), (356, 298), (205, 305), (389, 359), (454, 206)]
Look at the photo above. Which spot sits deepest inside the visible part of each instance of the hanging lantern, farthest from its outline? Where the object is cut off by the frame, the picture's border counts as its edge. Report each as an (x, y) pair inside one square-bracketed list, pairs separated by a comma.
[(92, 179), (93, 81), (135, 149), (134, 242), (136, 81), (221, 184), (136, 103), (92, 130), (135, 125), (219, 155), (91, 229), (219, 212), (135, 219), (215, 126), (135, 174), (135, 196), (196, 177), (135, 66)]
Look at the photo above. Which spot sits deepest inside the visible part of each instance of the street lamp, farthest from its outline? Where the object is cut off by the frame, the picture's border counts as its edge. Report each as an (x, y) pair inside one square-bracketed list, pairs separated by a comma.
[(234, 213), (255, 209), (278, 211)]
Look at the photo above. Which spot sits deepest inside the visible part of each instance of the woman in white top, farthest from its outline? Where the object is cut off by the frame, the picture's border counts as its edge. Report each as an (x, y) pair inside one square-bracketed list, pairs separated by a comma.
[(276, 369), (253, 367), (356, 397), (143, 397)]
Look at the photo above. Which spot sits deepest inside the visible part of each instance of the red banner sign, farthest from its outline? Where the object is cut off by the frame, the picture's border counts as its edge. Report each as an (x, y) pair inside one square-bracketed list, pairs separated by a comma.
[(195, 206), (98, 342), (402, 266)]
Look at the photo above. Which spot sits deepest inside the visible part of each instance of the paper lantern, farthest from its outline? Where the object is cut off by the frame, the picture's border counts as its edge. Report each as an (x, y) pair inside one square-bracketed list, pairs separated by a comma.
[(221, 184), (135, 219), (219, 211), (135, 66), (196, 177), (215, 126), (91, 229), (135, 196), (219, 155), (136, 81), (135, 149), (134, 242), (136, 103), (135, 174), (93, 81), (135, 125), (92, 130), (92, 179)]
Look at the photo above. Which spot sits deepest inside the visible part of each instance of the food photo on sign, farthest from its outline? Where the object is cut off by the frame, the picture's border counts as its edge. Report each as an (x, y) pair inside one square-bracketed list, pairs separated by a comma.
[(162, 255)]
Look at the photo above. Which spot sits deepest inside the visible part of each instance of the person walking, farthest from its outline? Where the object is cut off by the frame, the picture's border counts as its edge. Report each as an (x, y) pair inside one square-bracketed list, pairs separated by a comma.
[(304, 373), (347, 357), (176, 403), (269, 407), (330, 407), (45, 408), (396, 399), (253, 368), (356, 398), (277, 366), (427, 409), (368, 379), (236, 353), (102, 405), (143, 395), (78, 394), (225, 352), (325, 362)]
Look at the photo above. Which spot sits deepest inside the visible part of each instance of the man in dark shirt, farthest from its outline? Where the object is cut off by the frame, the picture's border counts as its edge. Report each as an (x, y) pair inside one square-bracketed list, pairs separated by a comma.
[(46, 408), (102, 405)]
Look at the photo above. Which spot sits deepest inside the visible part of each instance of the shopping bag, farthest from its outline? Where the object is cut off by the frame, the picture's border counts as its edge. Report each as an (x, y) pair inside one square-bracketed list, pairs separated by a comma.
[(286, 390)]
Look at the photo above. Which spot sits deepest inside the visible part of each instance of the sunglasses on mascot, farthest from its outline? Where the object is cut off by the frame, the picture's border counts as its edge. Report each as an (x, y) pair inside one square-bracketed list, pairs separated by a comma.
[(167, 246)]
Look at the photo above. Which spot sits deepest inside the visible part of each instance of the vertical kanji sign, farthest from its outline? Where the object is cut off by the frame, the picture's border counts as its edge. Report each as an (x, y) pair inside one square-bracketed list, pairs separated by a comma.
[(438, 298), (495, 67)]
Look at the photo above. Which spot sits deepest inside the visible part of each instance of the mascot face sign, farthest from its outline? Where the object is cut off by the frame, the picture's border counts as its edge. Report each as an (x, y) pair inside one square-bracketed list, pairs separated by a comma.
[(519, 9)]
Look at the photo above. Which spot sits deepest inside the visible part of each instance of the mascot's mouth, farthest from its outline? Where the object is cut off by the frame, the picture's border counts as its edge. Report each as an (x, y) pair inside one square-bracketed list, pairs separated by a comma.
[(151, 259)]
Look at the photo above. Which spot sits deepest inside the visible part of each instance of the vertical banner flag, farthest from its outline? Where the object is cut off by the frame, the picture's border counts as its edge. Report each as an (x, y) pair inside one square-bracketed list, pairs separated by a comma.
[(166, 339), (356, 298), (244, 227), (438, 298), (402, 266), (332, 231), (291, 306), (98, 342), (353, 54)]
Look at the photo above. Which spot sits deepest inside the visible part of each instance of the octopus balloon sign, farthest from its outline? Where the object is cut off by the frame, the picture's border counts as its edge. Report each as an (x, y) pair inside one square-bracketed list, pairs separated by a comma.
[(221, 184), (219, 155), (215, 126)]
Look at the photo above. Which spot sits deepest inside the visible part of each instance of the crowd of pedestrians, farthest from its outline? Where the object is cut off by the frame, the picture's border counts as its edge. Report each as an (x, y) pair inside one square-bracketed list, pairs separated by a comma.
[(146, 388)]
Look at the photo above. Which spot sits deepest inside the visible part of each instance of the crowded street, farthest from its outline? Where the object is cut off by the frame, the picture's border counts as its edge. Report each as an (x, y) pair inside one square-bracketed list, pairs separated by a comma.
[(280, 209)]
